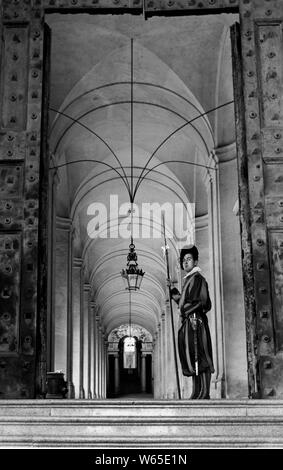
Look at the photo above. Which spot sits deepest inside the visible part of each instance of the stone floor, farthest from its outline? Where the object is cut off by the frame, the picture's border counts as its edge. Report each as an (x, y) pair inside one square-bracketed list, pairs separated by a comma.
[(141, 423), (135, 396)]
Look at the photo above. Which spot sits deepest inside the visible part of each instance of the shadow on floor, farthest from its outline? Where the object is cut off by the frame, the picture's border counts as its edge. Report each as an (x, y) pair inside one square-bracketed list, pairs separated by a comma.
[(134, 396)]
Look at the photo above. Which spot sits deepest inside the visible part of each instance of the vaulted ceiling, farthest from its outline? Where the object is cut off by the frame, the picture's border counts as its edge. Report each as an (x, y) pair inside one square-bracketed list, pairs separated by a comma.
[(180, 68)]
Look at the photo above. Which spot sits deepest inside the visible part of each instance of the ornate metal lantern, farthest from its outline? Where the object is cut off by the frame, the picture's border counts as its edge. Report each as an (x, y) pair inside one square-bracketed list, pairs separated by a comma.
[(132, 275)]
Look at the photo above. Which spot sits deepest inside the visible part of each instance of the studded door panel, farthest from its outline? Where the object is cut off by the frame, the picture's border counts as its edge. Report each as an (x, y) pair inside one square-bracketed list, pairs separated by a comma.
[(262, 54), (20, 127)]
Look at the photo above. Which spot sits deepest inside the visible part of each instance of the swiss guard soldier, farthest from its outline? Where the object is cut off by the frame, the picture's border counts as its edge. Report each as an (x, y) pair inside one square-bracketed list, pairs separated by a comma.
[(194, 342)]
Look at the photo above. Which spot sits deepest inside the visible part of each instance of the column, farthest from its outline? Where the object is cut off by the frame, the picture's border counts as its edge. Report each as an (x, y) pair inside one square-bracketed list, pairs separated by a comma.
[(82, 319), (107, 372), (51, 306), (171, 390), (96, 368), (163, 356), (102, 364), (70, 385), (63, 227), (93, 313), (99, 362), (177, 363), (105, 366), (116, 374), (77, 266), (143, 372), (85, 341), (234, 339), (157, 365), (153, 367), (215, 284), (94, 355), (90, 359), (170, 382), (160, 362)]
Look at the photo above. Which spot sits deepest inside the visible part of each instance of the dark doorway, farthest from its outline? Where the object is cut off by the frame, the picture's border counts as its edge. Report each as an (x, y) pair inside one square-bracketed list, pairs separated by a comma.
[(148, 373), (130, 380)]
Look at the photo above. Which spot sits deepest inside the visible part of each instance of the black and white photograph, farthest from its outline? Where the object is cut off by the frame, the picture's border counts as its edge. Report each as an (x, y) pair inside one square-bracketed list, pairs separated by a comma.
[(141, 229)]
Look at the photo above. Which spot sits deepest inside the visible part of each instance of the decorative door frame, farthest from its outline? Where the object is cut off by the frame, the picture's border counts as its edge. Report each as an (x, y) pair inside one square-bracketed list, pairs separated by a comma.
[(23, 144)]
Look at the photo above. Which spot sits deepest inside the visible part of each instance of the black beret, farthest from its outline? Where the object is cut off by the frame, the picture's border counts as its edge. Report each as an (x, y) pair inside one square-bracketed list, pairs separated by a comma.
[(188, 249)]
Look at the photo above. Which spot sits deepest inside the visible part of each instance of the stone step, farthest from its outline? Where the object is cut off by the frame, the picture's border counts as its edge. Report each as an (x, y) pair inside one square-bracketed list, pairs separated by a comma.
[(158, 423)]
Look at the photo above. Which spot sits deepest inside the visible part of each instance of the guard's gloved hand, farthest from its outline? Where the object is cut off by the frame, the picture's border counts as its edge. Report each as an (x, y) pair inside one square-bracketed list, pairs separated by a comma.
[(194, 323), (169, 283)]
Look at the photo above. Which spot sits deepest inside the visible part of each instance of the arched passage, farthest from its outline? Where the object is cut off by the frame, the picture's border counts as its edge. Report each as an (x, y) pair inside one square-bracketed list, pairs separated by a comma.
[(147, 130), (130, 362)]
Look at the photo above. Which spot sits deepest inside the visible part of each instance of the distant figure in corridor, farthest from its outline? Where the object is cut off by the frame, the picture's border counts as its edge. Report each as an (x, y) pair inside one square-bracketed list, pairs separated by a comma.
[(194, 342)]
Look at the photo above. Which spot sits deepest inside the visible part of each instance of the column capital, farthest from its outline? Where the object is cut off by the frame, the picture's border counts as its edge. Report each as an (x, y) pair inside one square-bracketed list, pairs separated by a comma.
[(208, 178), (201, 222), (63, 223), (53, 168), (226, 153), (73, 232), (209, 173), (77, 262), (86, 287), (92, 289), (83, 268)]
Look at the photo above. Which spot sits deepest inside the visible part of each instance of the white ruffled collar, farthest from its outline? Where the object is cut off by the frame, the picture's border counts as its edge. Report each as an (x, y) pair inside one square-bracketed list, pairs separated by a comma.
[(196, 269)]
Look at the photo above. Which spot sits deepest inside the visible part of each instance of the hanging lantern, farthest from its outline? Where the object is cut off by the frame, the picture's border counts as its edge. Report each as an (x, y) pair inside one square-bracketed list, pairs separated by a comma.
[(132, 275)]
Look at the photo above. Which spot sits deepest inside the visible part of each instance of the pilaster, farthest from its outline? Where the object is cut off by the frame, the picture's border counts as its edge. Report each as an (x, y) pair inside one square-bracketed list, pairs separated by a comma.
[(86, 293), (216, 315)]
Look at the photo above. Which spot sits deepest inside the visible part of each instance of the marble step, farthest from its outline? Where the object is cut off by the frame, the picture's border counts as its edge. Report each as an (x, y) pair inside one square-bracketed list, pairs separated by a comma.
[(158, 423)]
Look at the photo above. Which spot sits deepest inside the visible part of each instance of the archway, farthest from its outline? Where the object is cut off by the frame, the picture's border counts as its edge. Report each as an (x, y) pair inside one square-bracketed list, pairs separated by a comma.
[(90, 139), (129, 375)]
